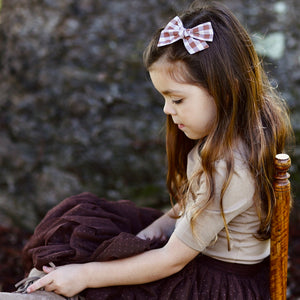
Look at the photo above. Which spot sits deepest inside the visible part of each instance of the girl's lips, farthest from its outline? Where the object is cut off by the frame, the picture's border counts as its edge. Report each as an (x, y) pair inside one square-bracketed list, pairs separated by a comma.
[(180, 126)]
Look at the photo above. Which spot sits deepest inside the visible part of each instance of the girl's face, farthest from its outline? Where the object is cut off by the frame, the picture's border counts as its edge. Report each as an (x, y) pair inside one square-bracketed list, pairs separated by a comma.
[(191, 107)]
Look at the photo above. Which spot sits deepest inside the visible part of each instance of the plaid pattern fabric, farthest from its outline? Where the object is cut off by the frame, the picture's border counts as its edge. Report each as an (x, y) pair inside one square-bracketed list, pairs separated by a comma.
[(194, 39)]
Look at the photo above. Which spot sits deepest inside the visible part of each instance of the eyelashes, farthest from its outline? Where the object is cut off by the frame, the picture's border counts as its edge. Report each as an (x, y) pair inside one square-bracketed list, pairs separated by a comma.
[(177, 101)]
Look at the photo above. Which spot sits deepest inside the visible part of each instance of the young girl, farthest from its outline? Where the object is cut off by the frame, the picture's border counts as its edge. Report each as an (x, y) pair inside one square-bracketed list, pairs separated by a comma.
[(225, 123)]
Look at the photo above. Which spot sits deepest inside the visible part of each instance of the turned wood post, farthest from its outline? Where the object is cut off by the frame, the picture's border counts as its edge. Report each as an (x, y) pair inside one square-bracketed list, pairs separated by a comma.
[(280, 228)]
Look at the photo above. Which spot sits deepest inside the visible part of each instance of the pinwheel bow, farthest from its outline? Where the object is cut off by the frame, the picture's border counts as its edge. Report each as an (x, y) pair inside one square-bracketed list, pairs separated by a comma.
[(194, 39)]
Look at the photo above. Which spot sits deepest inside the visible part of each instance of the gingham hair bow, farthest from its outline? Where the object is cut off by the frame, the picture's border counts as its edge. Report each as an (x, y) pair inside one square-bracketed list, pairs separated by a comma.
[(194, 39)]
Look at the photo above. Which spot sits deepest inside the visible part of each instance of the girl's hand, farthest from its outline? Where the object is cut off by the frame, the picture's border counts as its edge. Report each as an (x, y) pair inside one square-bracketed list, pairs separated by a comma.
[(152, 232), (161, 228), (66, 280)]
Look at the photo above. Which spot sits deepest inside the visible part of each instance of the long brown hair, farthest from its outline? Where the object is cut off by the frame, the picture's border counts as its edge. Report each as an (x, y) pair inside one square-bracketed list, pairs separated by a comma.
[(248, 107)]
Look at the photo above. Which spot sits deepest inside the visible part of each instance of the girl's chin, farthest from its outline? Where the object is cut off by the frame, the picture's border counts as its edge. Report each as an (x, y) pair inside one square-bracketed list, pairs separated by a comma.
[(192, 136)]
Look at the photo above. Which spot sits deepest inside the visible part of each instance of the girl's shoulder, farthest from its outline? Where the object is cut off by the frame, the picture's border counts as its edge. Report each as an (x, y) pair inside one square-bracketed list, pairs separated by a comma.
[(241, 181), (240, 185), (240, 158)]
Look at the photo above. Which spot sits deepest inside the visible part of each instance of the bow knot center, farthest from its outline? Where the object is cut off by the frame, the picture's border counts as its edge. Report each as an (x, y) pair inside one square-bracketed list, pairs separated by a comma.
[(184, 33)]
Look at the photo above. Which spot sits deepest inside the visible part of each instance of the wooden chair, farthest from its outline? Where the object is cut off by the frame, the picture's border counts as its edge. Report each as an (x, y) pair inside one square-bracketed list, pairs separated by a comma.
[(280, 229)]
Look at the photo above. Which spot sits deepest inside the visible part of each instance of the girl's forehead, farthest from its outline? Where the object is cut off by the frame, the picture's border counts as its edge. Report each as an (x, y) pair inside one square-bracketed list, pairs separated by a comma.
[(166, 65), (175, 70)]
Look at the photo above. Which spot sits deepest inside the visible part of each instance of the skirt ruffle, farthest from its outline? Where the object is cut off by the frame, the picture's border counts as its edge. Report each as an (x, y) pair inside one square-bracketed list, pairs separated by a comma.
[(85, 228)]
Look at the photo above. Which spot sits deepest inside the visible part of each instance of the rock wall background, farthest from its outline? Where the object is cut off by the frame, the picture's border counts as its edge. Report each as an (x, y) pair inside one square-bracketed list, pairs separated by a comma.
[(77, 111)]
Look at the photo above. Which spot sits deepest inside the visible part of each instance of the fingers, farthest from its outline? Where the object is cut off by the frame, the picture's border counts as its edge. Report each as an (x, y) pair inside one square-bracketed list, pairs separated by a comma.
[(163, 238), (44, 281), (50, 287), (47, 269), (141, 235), (152, 236)]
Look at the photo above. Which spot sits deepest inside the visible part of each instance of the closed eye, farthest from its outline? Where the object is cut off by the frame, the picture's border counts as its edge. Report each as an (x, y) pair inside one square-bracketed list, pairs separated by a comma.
[(177, 101)]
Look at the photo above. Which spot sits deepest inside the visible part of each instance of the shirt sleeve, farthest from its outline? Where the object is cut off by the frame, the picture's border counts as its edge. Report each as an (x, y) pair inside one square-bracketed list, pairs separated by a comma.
[(237, 199)]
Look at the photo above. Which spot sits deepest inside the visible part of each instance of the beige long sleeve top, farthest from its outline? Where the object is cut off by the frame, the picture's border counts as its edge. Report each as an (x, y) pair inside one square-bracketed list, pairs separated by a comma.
[(240, 214)]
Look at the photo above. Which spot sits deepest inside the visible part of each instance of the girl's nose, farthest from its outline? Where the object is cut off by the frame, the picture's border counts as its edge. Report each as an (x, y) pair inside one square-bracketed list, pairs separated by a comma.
[(169, 109)]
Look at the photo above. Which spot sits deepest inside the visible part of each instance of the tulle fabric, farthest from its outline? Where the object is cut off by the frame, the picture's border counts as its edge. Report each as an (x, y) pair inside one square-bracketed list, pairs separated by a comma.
[(85, 228)]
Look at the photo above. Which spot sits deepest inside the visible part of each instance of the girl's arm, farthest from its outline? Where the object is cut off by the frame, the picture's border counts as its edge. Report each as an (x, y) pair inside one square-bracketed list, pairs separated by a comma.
[(145, 267), (161, 228)]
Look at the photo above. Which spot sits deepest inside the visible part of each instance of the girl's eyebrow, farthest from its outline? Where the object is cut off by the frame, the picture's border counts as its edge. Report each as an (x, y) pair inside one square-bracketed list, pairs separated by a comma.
[(169, 92)]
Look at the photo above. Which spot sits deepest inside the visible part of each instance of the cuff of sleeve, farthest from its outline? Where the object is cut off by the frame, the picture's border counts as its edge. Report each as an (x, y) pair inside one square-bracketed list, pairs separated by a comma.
[(184, 232)]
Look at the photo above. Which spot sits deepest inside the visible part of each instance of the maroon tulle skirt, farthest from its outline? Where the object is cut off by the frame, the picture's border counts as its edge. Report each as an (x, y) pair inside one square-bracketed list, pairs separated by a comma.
[(85, 228)]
